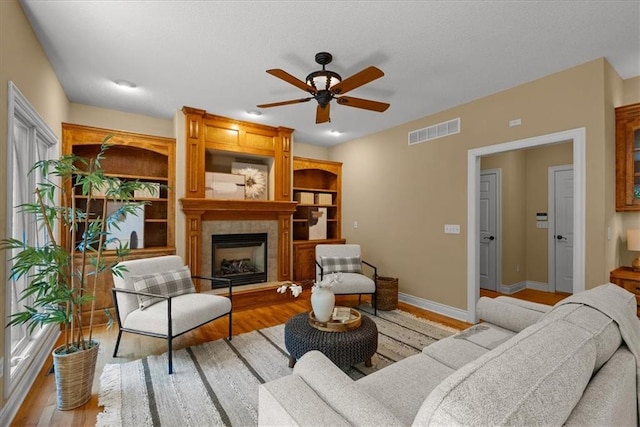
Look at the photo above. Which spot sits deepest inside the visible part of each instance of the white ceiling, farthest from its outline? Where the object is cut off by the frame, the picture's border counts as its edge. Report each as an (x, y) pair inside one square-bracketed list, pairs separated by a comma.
[(213, 54)]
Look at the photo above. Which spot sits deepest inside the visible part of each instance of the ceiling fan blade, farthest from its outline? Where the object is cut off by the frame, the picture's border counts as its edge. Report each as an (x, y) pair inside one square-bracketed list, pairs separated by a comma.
[(278, 104), (322, 114), (365, 76), (281, 74), (365, 104)]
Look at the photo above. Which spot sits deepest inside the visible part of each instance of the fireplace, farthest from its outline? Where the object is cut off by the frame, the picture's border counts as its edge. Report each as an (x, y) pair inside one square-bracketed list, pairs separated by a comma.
[(240, 257)]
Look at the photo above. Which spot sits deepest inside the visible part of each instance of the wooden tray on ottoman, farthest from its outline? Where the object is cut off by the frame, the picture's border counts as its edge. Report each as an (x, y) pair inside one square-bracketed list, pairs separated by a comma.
[(355, 320)]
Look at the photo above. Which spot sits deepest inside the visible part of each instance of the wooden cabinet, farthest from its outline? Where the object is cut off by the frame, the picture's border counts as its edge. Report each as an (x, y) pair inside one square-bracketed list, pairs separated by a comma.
[(628, 279), (628, 158), (132, 156), (317, 186)]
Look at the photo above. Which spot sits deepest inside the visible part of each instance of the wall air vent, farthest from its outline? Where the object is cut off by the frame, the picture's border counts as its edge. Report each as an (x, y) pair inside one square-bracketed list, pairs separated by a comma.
[(433, 132)]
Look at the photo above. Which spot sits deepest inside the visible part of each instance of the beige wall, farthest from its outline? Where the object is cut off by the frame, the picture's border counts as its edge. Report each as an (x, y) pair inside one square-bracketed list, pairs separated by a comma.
[(23, 61), (631, 91), (301, 149), (403, 195), (117, 120)]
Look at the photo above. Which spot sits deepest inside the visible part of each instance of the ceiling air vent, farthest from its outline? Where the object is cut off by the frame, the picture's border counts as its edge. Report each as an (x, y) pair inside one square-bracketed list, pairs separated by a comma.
[(434, 132)]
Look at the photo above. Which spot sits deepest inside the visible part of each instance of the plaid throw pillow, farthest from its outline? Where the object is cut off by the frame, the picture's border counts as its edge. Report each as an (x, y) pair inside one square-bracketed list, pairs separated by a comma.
[(331, 264), (168, 283)]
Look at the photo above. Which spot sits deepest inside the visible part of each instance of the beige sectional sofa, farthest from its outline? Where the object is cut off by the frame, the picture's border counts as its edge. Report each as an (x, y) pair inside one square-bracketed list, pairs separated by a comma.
[(577, 363)]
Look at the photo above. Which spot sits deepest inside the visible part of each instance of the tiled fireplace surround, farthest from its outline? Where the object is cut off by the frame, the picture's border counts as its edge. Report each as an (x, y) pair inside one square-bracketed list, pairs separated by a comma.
[(210, 228)]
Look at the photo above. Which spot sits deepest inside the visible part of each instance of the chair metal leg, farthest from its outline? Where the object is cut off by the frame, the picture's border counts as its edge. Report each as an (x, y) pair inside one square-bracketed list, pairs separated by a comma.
[(115, 350), (230, 326), (375, 308), (170, 357)]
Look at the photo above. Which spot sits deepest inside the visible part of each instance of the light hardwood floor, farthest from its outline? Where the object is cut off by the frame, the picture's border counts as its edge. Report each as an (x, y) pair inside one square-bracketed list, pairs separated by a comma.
[(39, 408)]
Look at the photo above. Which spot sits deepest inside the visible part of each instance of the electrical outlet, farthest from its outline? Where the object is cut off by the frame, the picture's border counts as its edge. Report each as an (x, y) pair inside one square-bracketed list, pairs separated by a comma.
[(452, 229), (355, 224)]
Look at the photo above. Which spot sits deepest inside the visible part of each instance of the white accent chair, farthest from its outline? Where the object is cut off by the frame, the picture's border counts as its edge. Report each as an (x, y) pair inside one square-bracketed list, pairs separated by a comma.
[(173, 315), (353, 282)]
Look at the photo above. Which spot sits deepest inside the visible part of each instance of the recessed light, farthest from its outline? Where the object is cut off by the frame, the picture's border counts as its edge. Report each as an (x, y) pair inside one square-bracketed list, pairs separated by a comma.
[(125, 83), (254, 113)]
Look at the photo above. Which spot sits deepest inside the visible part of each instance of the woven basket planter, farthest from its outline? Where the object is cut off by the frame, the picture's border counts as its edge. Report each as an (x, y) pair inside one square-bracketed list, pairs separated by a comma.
[(387, 290), (74, 376)]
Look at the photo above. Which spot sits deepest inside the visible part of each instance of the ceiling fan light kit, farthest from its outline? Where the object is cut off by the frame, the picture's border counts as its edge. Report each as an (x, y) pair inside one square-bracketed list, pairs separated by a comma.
[(325, 85)]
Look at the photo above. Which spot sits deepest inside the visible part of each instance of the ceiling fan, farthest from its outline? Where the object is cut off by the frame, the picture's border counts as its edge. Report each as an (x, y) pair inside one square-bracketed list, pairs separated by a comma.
[(325, 85)]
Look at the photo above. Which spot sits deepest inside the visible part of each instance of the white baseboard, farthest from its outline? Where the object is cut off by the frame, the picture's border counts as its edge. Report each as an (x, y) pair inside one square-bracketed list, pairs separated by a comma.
[(435, 307), (538, 286), (19, 393), (512, 289)]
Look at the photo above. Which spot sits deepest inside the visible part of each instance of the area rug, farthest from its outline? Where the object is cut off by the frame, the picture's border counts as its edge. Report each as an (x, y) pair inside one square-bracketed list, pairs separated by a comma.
[(216, 383)]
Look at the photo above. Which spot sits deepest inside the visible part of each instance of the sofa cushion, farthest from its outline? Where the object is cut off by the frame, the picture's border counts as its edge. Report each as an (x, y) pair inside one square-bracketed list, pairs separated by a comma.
[(605, 331), (188, 311), (403, 386), (610, 398), (354, 283), (535, 378), (167, 283), (466, 346)]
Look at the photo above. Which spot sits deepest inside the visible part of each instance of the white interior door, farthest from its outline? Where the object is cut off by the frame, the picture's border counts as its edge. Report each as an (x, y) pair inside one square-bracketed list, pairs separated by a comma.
[(561, 234), (488, 230)]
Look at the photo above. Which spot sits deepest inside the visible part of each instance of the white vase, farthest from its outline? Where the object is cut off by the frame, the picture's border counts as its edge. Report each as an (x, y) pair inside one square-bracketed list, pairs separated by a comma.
[(322, 302)]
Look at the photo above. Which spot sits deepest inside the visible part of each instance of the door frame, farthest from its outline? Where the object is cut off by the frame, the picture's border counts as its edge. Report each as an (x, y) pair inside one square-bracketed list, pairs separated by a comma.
[(578, 137), (551, 280), (498, 173)]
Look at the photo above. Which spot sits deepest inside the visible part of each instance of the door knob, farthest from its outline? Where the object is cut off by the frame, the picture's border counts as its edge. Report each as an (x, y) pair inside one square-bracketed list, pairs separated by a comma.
[(489, 237), (559, 237)]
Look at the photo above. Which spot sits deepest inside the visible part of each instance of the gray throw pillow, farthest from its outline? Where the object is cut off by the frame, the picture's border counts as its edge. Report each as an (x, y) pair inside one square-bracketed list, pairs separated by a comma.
[(341, 264), (167, 283)]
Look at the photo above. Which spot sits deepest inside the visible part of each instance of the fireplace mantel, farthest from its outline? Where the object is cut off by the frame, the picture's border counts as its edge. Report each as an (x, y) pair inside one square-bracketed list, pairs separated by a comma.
[(212, 209)]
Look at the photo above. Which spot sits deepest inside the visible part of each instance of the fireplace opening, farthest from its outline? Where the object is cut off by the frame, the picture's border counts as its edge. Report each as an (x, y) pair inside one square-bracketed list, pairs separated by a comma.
[(240, 257)]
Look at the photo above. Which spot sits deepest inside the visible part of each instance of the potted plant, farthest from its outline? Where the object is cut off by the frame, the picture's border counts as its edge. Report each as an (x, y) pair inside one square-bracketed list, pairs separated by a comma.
[(61, 273)]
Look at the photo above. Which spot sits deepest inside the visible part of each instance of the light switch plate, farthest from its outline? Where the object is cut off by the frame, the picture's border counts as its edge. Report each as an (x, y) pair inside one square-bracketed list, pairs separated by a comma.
[(452, 228), (542, 224)]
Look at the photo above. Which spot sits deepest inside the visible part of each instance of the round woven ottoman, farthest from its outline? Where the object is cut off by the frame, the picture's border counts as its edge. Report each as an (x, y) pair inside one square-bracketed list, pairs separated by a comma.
[(342, 348)]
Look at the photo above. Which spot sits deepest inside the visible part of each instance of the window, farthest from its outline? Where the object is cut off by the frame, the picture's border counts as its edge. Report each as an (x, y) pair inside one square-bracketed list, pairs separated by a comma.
[(29, 140)]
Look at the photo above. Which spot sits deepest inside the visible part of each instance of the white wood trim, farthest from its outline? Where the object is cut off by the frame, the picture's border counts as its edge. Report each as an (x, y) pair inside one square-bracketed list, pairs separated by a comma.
[(433, 306), (16, 388), (578, 137), (538, 286), (512, 289), (24, 384)]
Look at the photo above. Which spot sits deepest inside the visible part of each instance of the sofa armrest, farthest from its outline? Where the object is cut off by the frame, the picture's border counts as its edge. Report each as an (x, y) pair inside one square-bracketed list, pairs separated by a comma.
[(340, 392), (514, 317), (542, 308), (289, 401)]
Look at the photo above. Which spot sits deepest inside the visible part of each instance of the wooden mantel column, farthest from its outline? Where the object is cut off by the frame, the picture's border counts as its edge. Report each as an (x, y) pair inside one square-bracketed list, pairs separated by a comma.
[(210, 133)]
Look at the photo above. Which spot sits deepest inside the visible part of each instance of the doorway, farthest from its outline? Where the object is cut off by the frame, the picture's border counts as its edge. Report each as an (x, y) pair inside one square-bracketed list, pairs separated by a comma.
[(578, 138)]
